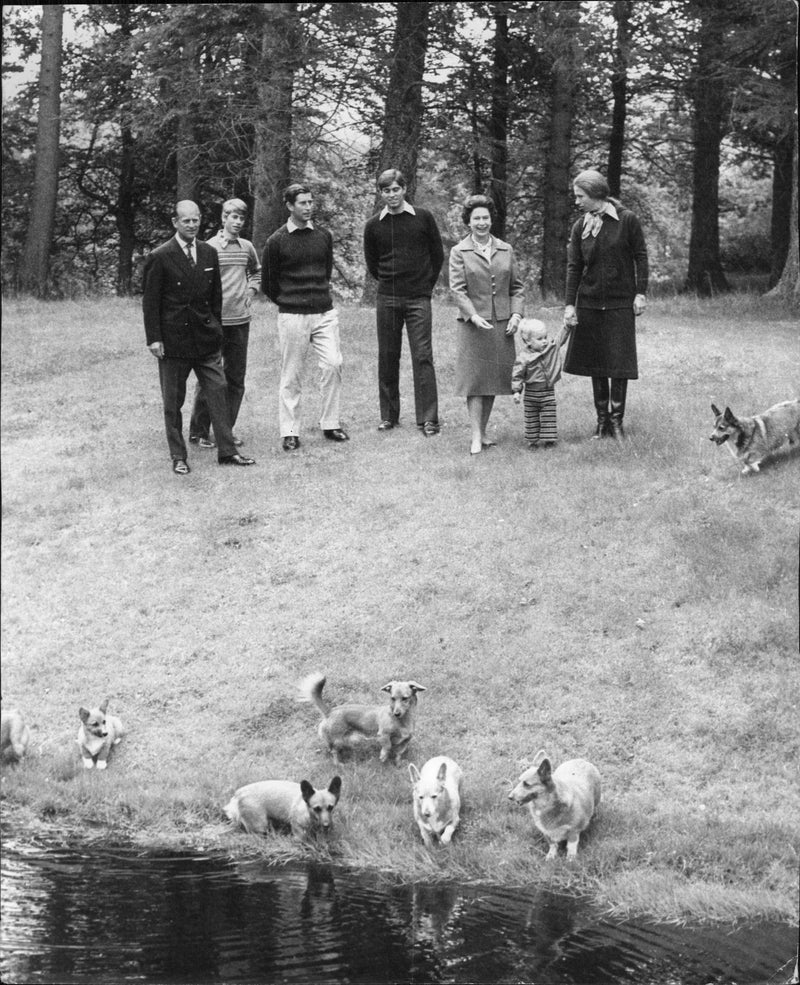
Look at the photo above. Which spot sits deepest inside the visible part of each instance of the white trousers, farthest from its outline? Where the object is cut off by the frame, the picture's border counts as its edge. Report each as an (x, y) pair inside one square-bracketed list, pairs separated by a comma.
[(295, 333)]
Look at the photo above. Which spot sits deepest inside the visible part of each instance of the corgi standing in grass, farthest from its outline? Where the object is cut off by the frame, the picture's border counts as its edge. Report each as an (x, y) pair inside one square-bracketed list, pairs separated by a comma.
[(562, 802)]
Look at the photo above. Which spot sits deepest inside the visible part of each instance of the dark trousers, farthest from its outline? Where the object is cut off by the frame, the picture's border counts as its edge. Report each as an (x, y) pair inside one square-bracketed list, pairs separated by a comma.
[(173, 374), (415, 313), (234, 361)]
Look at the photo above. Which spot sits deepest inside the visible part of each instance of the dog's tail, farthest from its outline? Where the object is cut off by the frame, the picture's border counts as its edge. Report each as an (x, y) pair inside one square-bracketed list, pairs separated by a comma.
[(311, 690)]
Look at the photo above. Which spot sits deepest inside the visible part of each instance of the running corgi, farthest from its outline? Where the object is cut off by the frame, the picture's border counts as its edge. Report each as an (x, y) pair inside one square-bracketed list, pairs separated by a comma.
[(752, 439)]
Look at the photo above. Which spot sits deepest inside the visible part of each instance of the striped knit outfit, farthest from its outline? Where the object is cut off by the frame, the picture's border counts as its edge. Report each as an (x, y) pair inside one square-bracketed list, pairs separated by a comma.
[(540, 413)]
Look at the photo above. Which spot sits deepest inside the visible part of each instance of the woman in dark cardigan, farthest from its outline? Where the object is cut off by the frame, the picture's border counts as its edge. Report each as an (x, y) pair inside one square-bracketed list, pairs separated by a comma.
[(606, 282)]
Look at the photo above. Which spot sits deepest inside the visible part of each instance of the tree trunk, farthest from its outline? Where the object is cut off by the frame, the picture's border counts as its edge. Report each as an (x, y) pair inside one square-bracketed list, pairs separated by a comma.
[(33, 276), (125, 212), (789, 284), (186, 156), (557, 186), (402, 124), (782, 185), (499, 125), (705, 276), (280, 40), (619, 94)]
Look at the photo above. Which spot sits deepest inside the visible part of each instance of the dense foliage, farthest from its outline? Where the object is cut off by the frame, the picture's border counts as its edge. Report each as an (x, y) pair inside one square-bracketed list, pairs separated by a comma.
[(208, 101)]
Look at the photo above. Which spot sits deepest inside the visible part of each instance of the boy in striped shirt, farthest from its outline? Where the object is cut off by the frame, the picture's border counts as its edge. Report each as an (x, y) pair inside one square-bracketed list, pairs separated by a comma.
[(241, 276)]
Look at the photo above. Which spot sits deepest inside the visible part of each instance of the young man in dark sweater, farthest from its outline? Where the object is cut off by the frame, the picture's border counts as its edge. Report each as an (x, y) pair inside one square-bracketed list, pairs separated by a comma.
[(404, 253), (295, 275)]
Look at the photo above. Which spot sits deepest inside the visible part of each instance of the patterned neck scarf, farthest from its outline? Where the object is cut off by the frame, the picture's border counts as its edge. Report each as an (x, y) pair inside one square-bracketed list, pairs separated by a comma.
[(593, 221)]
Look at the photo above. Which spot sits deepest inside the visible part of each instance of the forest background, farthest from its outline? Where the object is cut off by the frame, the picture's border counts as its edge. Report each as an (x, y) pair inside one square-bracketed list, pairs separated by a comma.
[(111, 112)]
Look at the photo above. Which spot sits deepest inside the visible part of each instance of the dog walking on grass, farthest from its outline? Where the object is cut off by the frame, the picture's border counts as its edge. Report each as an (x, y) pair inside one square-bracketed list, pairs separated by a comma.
[(751, 439)]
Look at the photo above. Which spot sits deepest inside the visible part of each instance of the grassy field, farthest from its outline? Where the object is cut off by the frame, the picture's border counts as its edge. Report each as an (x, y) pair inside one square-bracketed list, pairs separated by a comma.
[(635, 605)]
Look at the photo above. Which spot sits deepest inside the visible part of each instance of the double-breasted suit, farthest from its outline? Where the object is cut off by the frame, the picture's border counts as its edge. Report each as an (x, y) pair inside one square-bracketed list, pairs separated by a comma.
[(182, 305)]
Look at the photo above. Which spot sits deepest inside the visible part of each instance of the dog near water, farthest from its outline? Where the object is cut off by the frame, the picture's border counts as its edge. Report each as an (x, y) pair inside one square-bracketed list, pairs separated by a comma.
[(562, 801), (437, 798), (97, 735), (751, 439), (349, 725), (14, 735), (308, 812)]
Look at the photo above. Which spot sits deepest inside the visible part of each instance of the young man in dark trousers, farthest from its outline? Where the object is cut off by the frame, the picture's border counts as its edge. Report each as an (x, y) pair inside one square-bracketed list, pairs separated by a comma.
[(404, 253), (296, 275)]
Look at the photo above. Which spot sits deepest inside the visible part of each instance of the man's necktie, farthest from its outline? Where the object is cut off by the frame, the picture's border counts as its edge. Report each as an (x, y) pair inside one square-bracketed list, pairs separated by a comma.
[(189, 253)]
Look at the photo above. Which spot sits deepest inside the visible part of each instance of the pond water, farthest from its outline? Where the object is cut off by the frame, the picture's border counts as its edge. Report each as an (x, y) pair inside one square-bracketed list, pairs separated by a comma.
[(111, 915)]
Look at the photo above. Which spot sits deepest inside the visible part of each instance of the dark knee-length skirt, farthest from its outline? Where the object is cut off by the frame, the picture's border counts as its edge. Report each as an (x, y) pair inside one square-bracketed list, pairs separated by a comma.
[(603, 344)]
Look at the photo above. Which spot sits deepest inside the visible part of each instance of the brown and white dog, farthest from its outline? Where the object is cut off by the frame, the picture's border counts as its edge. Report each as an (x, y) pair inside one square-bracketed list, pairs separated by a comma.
[(14, 735), (562, 802), (751, 439), (97, 735), (349, 725), (306, 811), (437, 798)]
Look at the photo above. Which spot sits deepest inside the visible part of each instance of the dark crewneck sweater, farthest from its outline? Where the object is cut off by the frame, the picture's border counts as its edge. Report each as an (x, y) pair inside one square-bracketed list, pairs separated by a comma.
[(404, 253), (296, 270)]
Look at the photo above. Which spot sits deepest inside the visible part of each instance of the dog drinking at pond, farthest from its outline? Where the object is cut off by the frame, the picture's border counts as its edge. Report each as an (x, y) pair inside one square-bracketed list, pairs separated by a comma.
[(437, 798), (308, 812), (14, 735), (97, 735), (346, 726), (751, 439), (562, 802)]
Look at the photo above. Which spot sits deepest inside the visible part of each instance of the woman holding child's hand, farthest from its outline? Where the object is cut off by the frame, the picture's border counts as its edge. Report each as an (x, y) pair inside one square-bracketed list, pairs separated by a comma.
[(606, 286), (487, 288)]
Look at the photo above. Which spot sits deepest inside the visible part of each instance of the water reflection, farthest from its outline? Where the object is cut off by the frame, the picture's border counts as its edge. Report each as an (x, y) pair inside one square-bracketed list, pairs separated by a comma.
[(118, 916)]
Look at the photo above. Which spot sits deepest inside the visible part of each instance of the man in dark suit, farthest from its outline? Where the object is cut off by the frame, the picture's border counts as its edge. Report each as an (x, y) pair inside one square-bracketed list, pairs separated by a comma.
[(182, 303)]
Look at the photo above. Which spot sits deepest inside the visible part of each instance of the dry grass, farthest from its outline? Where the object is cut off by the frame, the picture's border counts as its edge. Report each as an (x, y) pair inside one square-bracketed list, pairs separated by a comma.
[(636, 605)]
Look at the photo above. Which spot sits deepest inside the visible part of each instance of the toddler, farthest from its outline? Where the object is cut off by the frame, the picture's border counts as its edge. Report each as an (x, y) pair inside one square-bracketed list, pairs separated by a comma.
[(536, 371)]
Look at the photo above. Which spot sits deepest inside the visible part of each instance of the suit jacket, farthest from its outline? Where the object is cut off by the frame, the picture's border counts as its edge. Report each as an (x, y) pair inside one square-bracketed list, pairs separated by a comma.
[(477, 284), (182, 303)]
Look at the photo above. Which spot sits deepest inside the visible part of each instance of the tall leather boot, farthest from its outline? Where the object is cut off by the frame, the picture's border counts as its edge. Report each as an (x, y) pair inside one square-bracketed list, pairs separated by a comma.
[(601, 393), (619, 390)]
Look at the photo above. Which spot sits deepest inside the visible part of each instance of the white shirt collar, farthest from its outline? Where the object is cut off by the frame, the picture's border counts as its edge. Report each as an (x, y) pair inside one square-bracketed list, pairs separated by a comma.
[(292, 226), (407, 207)]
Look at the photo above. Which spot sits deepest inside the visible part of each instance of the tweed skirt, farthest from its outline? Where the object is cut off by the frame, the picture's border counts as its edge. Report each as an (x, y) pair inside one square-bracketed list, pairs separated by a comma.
[(484, 360), (603, 344)]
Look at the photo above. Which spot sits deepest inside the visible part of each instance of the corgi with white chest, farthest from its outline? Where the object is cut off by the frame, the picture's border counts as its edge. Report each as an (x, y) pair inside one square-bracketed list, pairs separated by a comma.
[(97, 735), (751, 439), (437, 798), (562, 802), (308, 812)]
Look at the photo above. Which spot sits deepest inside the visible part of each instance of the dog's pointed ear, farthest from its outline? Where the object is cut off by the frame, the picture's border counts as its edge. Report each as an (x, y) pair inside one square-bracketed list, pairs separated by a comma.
[(306, 790), (416, 687), (442, 774), (540, 755), (544, 771), (730, 417), (413, 772), (388, 687), (335, 787), (83, 714), (104, 706), (715, 410)]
